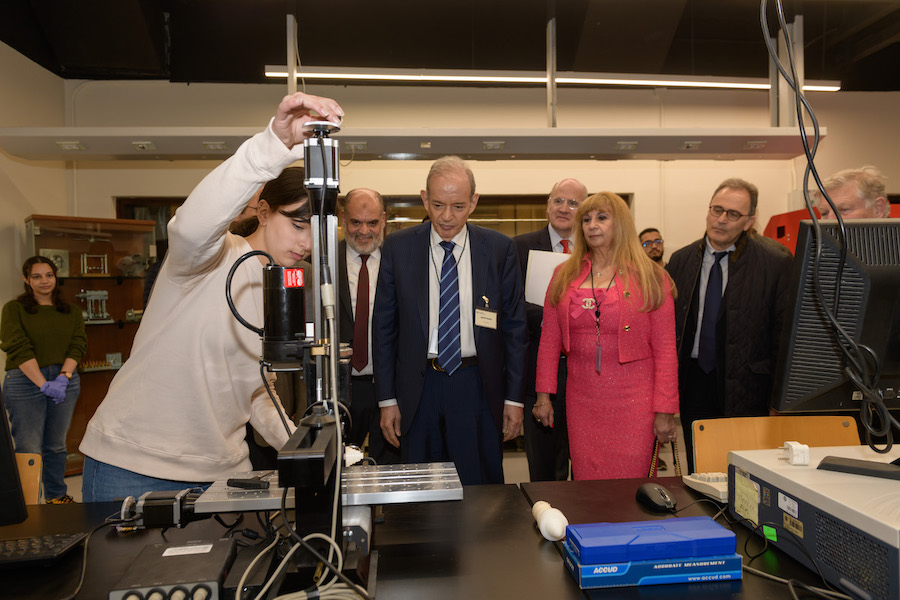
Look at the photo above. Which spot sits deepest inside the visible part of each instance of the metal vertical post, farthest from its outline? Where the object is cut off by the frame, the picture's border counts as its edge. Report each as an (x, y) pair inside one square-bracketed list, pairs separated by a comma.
[(551, 63), (774, 89), (291, 54), (782, 108), (321, 332)]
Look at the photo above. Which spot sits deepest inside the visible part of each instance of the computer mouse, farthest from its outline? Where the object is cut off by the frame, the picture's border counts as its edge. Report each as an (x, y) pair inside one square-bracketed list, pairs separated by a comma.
[(655, 497)]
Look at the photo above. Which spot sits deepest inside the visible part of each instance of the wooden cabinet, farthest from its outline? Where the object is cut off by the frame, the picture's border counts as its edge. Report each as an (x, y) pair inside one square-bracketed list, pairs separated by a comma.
[(102, 263)]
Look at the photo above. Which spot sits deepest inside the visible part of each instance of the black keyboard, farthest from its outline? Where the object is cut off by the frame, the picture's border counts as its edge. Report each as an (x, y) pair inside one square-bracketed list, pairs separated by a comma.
[(37, 549)]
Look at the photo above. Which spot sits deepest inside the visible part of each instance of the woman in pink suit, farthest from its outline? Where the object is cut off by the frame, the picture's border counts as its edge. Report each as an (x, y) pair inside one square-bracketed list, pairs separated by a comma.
[(610, 309)]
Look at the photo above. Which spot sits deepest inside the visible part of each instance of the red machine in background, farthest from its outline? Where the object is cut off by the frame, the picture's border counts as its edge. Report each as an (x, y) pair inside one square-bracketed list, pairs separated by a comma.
[(783, 228)]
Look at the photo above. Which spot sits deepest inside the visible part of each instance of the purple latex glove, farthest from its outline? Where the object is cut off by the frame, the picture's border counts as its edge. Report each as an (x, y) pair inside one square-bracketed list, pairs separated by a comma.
[(56, 389)]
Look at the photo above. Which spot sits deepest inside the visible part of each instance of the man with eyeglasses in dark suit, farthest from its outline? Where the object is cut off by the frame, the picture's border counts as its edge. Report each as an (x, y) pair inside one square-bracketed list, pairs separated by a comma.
[(547, 448), (732, 294)]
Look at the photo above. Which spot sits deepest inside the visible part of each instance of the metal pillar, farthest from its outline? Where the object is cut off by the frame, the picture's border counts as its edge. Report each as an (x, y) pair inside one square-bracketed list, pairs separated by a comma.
[(782, 106), (551, 63), (292, 54)]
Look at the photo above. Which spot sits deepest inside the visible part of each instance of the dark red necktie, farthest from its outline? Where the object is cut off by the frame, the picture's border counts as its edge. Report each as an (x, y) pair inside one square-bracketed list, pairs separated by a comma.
[(565, 245), (361, 319)]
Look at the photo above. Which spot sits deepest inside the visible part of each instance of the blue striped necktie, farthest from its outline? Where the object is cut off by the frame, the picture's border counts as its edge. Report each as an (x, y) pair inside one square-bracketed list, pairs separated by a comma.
[(449, 348)]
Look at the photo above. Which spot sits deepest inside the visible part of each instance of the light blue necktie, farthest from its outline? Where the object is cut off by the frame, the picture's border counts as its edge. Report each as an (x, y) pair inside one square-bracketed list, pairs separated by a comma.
[(449, 348)]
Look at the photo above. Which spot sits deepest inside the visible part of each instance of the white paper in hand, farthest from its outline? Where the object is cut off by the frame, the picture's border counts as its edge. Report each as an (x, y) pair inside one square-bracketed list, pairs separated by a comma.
[(540, 271)]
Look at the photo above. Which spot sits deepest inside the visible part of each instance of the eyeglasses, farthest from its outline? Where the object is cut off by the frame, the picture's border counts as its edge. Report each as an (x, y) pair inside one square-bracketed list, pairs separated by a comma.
[(572, 203), (732, 215), (649, 243)]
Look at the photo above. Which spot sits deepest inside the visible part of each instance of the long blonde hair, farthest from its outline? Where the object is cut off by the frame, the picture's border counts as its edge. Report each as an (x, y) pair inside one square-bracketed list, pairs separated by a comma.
[(627, 254)]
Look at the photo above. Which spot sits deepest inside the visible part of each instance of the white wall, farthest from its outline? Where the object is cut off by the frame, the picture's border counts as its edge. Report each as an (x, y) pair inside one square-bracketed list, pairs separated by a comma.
[(863, 129), (671, 195), (29, 96), (661, 189)]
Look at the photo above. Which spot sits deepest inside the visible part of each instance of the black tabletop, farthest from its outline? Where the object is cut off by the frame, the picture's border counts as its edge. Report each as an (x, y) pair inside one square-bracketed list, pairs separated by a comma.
[(484, 546), (110, 553)]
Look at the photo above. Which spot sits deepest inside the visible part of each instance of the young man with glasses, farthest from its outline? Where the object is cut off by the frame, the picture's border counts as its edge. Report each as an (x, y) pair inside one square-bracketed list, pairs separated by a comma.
[(651, 241), (732, 294), (547, 448)]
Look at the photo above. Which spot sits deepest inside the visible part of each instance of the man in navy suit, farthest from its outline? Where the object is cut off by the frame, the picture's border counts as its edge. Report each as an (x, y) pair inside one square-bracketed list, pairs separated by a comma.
[(363, 220), (547, 448), (449, 334)]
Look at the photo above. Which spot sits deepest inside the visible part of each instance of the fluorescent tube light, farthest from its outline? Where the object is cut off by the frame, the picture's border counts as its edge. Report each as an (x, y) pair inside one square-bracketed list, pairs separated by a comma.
[(535, 78)]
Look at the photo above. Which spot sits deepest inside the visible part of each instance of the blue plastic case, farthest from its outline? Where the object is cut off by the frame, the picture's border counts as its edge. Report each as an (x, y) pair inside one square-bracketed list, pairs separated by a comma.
[(653, 572), (600, 543)]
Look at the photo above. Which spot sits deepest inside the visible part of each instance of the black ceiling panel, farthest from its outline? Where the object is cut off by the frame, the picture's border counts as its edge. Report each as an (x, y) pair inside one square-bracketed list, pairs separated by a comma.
[(856, 41), (20, 29), (227, 40), (104, 40)]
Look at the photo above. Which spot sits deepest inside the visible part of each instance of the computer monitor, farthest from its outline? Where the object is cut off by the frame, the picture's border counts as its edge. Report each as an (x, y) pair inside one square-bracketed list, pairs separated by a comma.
[(12, 502), (810, 371)]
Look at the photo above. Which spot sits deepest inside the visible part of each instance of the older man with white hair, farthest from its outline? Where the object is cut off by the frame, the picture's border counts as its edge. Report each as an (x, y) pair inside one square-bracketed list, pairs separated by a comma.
[(856, 194), (547, 448)]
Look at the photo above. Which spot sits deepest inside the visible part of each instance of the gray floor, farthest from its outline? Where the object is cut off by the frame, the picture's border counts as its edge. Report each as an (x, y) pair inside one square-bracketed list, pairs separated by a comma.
[(74, 484), (515, 469)]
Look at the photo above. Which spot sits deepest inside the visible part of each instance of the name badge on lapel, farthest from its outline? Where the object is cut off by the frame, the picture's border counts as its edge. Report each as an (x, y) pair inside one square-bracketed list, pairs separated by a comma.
[(485, 317)]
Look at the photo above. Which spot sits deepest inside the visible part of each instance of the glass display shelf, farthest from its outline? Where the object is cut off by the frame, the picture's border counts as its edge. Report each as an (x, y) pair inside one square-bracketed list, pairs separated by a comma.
[(101, 265)]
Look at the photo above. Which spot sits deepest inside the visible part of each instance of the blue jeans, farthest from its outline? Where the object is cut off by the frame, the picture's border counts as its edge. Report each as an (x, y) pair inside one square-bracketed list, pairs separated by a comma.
[(39, 425), (102, 482)]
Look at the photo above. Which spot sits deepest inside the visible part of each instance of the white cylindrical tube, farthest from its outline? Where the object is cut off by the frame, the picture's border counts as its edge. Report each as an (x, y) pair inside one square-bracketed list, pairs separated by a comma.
[(551, 522)]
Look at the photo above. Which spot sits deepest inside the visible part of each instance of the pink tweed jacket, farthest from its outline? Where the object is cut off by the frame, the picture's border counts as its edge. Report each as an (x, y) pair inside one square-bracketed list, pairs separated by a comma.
[(642, 335)]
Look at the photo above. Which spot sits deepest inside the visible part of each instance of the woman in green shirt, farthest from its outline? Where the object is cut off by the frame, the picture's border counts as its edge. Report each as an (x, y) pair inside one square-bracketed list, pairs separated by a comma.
[(43, 337)]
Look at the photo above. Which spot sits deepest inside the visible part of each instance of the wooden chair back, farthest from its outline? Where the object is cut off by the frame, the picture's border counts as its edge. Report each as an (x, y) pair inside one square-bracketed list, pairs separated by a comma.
[(714, 438), (30, 475)]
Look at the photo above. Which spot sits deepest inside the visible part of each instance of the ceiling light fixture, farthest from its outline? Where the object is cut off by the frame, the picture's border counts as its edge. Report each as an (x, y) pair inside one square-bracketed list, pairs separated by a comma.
[(537, 78), (216, 146), (409, 75), (72, 146)]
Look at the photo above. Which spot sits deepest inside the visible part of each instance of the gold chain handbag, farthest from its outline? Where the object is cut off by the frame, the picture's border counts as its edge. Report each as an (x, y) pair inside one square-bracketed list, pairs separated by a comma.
[(654, 460)]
